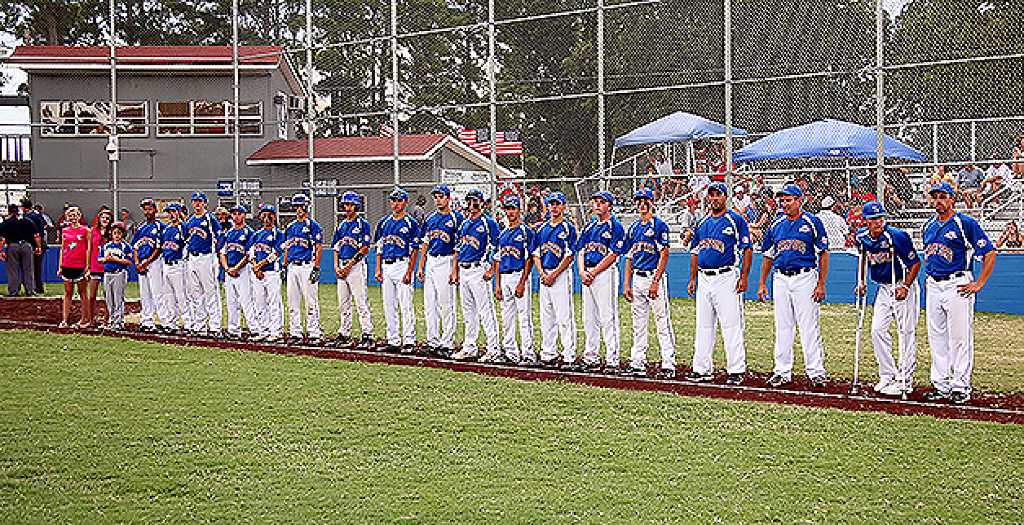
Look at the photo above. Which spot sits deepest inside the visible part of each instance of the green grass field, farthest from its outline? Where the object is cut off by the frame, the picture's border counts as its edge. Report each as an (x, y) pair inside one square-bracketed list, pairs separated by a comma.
[(999, 356), (98, 429)]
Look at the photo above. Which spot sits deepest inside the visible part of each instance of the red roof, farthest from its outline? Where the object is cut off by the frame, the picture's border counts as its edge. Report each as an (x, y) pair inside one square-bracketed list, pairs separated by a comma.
[(264, 55), (352, 148)]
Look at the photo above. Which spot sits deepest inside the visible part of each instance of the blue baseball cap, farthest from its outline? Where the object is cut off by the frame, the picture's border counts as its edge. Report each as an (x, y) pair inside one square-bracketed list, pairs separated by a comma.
[(199, 196), (351, 197), (268, 208), (240, 208), (873, 210), (475, 194), (556, 196), (147, 202), (300, 199), (398, 194), (173, 206), (944, 187), (720, 187), (790, 189), (443, 189), (604, 195), (643, 193), (511, 202)]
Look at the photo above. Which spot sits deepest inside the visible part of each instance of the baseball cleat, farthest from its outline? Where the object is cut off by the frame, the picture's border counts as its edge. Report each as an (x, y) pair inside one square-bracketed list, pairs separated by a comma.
[(341, 340), (735, 379), (959, 398), (314, 341), (367, 342), (818, 382), (464, 355), (700, 377), (635, 372), (393, 349), (293, 340), (935, 396), (529, 361), (883, 384), (777, 380), (666, 373), (592, 367), (571, 366), (491, 357), (894, 388), (549, 363), (612, 370)]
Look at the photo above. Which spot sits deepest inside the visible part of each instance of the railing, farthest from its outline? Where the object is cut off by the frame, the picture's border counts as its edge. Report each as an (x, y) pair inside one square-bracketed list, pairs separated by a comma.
[(15, 148)]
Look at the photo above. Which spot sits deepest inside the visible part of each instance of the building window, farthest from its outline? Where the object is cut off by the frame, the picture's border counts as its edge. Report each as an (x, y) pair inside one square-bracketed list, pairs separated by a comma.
[(206, 117), (86, 119)]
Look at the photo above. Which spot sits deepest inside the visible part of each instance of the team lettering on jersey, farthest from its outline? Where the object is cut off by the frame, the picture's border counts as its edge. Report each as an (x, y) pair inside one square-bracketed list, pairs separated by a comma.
[(553, 247), (643, 246), (712, 244), (939, 249), (145, 242), (171, 244), (792, 245), (510, 251), (393, 239), (469, 240), (198, 231), (234, 247), (883, 257), (349, 241), (438, 235), (297, 242), (596, 247)]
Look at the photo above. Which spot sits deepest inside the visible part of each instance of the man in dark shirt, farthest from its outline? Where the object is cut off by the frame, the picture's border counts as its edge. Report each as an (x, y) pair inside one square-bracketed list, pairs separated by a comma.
[(36, 217), (19, 238)]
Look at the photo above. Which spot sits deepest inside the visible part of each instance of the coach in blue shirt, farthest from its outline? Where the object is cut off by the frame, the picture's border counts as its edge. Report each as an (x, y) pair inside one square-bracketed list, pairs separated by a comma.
[(796, 246)]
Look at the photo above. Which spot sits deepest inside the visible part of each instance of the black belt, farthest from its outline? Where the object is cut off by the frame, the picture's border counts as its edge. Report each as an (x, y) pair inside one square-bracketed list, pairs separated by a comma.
[(199, 253), (643, 273), (470, 264), (393, 260), (948, 277), (299, 263), (172, 263), (506, 272), (718, 271), (795, 271)]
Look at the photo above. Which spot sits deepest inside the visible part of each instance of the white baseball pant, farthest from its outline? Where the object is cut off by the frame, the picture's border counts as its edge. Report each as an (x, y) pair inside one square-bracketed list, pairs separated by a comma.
[(203, 293), (601, 318), (718, 302), (557, 317), (266, 297), (439, 301), (904, 312), (950, 333), (300, 291), (512, 309), (641, 308), (794, 308), (238, 296), (175, 298), (353, 289), (151, 292), (397, 298), (477, 309)]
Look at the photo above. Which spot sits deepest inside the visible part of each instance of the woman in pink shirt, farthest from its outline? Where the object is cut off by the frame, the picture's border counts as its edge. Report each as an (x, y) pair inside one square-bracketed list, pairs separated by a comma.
[(75, 248), (100, 236)]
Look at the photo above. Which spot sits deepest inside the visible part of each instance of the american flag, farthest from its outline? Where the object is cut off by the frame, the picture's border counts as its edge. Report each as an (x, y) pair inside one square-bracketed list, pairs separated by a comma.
[(506, 142)]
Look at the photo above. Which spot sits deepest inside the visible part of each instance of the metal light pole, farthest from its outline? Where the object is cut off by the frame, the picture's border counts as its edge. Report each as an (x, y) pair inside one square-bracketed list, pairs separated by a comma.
[(236, 134), (492, 106), (309, 108), (394, 93), (727, 49), (600, 93), (879, 101), (113, 147)]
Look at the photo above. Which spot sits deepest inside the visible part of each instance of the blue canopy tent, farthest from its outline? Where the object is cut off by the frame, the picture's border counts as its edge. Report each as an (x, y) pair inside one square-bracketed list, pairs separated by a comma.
[(677, 127), (824, 138)]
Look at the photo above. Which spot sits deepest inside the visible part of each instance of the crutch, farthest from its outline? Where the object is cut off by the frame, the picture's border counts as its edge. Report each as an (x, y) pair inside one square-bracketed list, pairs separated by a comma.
[(861, 301), (896, 319)]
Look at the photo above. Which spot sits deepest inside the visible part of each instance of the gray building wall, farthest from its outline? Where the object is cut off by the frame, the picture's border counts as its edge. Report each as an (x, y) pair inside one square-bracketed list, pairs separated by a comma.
[(181, 164)]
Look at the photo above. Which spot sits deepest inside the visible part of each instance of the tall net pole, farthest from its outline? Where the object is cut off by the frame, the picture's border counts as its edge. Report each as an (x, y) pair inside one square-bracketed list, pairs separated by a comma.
[(236, 133), (113, 145), (879, 101), (492, 106), (311, 168), (396, 169), (727, 48), (600, 93)]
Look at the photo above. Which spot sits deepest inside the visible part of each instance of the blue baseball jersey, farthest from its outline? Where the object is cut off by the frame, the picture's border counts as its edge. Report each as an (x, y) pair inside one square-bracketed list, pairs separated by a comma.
[(645, 241), (554, 242), (599, 239), (201, 234), (235, 244), (147, 239), (172, 243), (950, 245), (720, 241), (879, 253), (396, 238), (477, 239), (440, 232), (795, 243), (351, 236), (514, 247), (301, 239), (266, 245), (116, 249)]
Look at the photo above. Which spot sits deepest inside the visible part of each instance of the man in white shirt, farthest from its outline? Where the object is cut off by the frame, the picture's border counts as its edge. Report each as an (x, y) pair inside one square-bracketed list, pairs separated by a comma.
[(740, 200), (835, 226)]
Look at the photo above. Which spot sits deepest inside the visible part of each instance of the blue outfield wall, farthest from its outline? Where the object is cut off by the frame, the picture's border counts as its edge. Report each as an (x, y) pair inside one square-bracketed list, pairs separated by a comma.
[(999, 295)]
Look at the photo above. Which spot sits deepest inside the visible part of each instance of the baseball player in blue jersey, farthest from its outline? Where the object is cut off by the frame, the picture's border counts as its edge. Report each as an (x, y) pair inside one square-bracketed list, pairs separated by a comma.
[(351, 244), (512, 287), (303, 246), (150, 267), (234, 260), (796, 246), (472, 271), (951, 241), (720, 254), (888, 256), (646, 287), (397, 240), (172, 248), (598, 249), (437, 247), (201, 234), (265, 253), (553, 251)]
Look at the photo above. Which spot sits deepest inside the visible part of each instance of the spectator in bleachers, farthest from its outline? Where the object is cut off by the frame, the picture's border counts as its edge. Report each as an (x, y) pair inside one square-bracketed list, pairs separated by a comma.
[(938, 175), (1011, 239), (766, 212), (995, 178), (969, 180), (835, 227), (675, 185), (698, 183), (1018, 154), (651, 182), (741, 201), (688, 219)]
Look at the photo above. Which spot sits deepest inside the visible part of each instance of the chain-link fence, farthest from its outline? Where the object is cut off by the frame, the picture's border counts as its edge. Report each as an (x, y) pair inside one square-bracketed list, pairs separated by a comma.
[(254, 101)]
